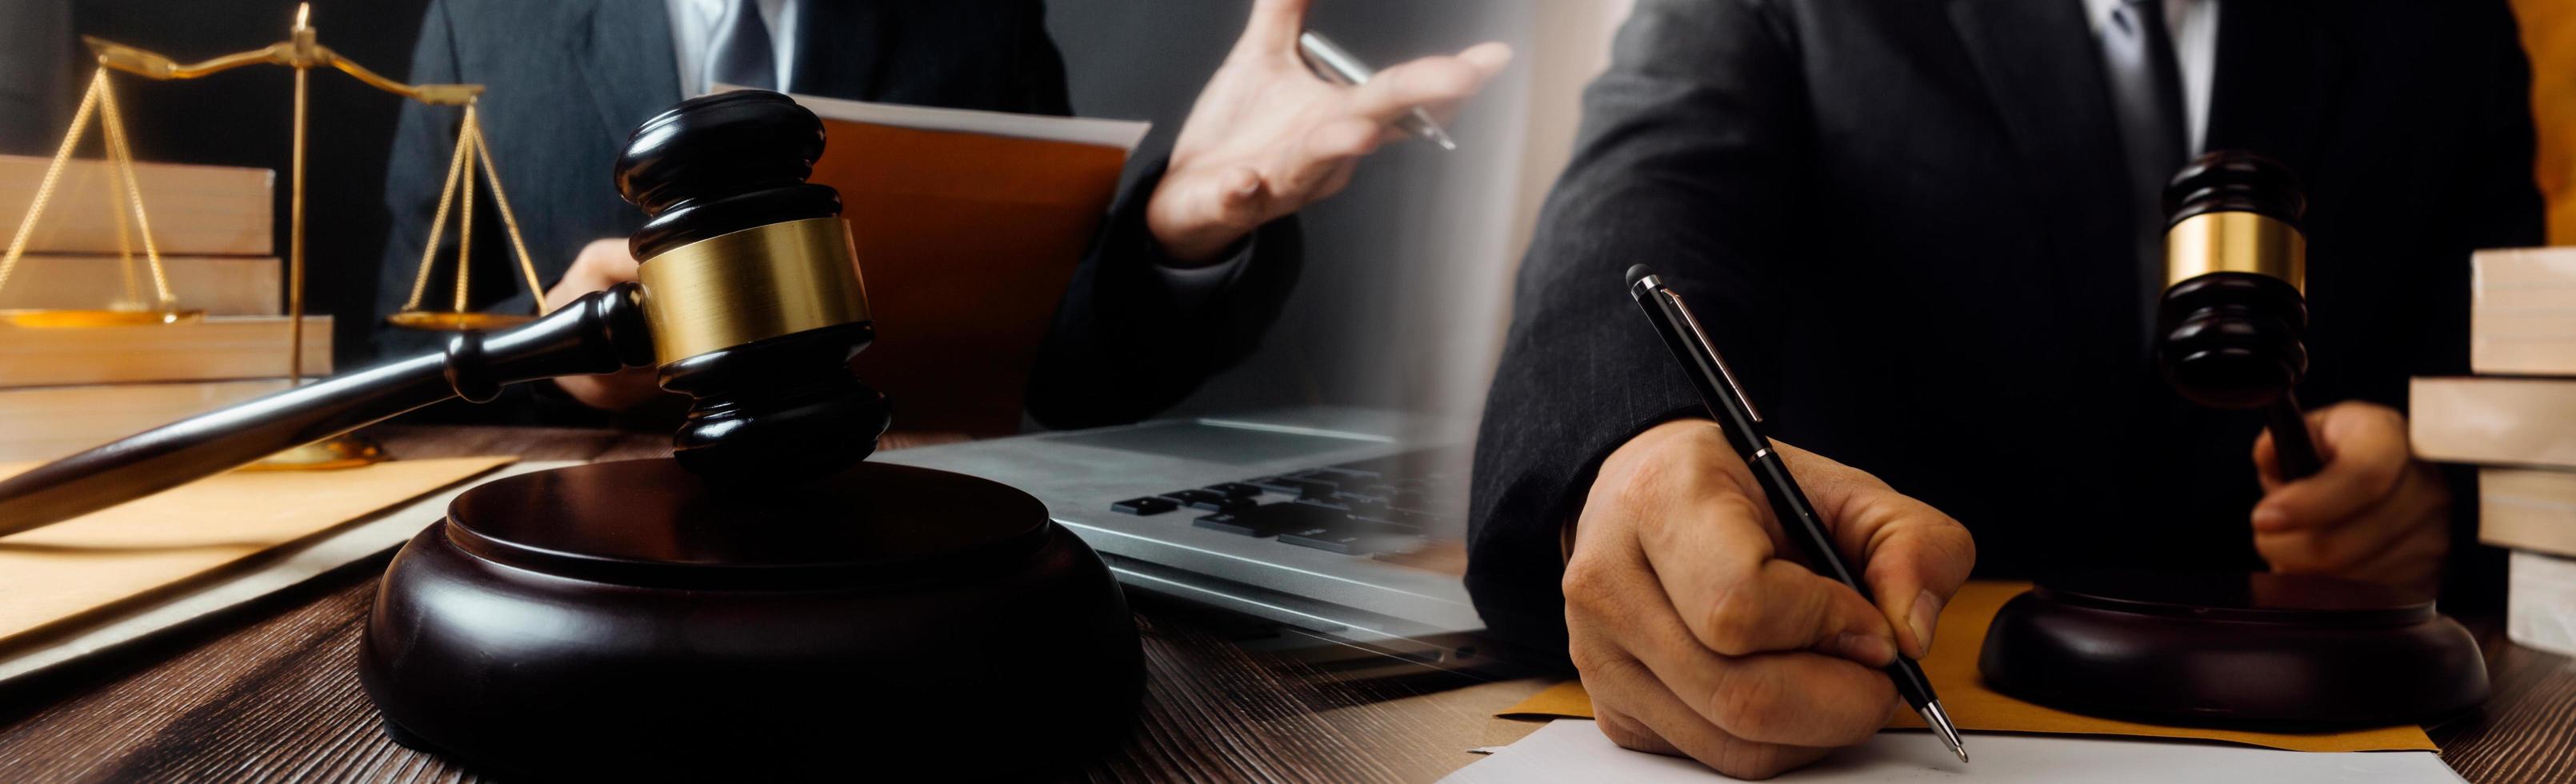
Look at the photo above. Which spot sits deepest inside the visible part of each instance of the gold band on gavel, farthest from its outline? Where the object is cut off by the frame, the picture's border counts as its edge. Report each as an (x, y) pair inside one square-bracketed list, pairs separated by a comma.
[(2235, 241), (760, 282)]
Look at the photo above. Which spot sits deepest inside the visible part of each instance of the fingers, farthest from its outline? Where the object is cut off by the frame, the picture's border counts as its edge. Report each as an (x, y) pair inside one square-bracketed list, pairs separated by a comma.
[(608, 261), (1489, 59), (1429, 81), (1800, 698), (1672, 572), (616, 391), (2413, 562), (1629, 733), (2402, 541), (2353, 539), (1274, 26), (1914, 560), (1736, 599), (1912, 556), (1617, 606), (2372, 513), (1637, 713), (601, 264), (2366, 453)]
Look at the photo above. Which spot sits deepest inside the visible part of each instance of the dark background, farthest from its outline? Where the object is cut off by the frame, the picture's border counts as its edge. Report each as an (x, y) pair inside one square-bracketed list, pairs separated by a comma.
[(1386, 260)]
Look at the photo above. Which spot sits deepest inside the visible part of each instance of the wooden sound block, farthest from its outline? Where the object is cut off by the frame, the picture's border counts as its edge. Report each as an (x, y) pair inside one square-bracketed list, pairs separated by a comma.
[(2233, 648), (628, 620)]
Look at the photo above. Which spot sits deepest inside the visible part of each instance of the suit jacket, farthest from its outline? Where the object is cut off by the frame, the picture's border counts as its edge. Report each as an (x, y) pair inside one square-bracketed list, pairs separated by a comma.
[(1907, 224), (570, 79)]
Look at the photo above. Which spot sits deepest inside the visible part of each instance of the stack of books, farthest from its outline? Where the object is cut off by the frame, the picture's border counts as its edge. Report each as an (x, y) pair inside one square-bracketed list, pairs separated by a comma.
[(64, 389), (2516, 421)]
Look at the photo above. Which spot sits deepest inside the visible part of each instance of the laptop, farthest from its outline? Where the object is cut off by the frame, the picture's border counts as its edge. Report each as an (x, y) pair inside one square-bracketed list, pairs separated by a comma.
[(1348, 523)]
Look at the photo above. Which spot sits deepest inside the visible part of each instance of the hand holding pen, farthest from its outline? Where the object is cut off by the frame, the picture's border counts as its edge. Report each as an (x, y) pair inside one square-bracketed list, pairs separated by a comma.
[(1699, 631), (1339, 66)]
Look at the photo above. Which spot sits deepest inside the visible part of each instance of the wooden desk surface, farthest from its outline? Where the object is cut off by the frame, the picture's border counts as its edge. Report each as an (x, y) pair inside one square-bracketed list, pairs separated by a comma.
[(271, 693)]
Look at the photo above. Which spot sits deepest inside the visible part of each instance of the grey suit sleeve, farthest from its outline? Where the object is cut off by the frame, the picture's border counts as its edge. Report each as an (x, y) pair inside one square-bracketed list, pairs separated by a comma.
[(1688, 160)]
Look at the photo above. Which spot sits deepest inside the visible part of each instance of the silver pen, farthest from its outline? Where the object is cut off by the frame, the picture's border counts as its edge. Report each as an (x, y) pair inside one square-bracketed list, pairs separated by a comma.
[(1336, 65)]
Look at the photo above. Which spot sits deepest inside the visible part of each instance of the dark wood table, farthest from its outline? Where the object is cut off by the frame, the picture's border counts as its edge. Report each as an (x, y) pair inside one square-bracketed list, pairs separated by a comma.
[(270, 692)]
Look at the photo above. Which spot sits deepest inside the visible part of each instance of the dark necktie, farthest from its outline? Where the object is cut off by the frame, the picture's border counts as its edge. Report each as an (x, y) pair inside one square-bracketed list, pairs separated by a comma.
[(741, 53), (2146, 93)]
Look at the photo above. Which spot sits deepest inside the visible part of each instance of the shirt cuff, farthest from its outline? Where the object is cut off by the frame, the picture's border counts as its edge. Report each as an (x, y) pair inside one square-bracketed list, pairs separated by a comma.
[(1192, 287)]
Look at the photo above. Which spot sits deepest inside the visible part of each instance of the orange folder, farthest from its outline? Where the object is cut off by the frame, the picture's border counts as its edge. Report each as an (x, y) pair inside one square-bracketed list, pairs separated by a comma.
[(968, 225)]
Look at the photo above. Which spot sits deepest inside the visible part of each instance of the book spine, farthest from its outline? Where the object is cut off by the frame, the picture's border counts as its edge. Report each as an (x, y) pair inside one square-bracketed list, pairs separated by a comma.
[(2540, 602), (45, 423), (218, 285), (214, 349), (2522, 312), (194, 210), (2528, 510), (2494, 421)]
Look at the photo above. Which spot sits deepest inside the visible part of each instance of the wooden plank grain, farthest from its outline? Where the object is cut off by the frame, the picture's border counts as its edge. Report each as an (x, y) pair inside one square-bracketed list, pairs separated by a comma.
[(270, 693), (275, 701), (2527, 730), (1215, 712)]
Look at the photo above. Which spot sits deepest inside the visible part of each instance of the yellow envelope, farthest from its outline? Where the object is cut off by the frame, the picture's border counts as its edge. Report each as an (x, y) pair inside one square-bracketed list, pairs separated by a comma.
[(1953, 670), (162, 541)]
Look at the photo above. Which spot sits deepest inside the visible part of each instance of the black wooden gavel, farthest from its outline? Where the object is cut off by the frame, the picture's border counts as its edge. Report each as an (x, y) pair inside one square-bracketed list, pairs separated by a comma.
[(2232, 325), (749, 301)]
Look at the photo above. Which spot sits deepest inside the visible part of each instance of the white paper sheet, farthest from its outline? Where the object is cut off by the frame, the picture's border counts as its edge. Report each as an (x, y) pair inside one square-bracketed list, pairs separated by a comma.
[(1569, 750)]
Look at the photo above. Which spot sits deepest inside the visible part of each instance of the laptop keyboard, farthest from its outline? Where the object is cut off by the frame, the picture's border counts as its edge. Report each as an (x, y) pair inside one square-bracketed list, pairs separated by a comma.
[(1367, 507)]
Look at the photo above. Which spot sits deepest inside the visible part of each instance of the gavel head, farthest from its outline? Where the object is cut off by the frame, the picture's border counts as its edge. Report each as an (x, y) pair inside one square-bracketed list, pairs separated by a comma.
[(752, 289), (2231, 325)]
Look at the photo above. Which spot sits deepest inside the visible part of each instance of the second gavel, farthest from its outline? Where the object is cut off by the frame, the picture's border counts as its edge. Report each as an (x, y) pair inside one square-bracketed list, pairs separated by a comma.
[(2232, 324)]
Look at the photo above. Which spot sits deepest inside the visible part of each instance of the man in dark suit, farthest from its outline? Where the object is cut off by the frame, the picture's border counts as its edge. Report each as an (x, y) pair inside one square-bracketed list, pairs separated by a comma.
[(1922, 232), (1188, 270)]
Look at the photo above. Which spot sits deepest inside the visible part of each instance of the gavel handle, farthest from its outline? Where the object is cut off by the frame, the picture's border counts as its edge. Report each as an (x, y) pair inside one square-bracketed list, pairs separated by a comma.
[(2291, 442), (599, 333)]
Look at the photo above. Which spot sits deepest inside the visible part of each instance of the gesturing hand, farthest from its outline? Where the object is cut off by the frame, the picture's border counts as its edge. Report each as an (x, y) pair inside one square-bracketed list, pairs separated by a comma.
[(2373, 513), (1267, 137), (1697, 635)]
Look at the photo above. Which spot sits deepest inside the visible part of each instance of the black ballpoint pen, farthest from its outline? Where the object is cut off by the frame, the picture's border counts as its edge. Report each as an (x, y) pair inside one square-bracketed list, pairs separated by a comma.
[(1736, 415)]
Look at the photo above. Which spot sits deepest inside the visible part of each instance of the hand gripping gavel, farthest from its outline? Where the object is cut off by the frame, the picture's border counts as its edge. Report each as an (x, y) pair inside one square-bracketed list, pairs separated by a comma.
[(749, 301), (2231, 325)]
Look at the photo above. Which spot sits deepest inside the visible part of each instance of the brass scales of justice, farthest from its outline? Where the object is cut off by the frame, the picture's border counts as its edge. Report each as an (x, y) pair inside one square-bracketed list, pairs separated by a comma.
[(303, 52)]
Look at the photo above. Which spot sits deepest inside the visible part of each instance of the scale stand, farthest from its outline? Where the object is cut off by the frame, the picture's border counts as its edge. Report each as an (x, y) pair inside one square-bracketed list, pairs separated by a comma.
[(303, 52)]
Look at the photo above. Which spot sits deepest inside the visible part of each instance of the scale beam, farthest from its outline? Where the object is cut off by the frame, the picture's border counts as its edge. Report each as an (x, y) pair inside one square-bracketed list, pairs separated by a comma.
[(303, 52)]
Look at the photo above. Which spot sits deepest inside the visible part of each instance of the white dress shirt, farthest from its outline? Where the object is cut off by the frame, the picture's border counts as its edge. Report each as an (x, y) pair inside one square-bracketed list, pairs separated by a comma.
[(693, 31), (2194, 25)]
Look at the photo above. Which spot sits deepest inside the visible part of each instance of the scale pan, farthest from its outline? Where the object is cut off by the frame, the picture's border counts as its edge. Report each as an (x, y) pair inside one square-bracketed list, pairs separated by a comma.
[(66, 319), (348, 450), (451, 321)]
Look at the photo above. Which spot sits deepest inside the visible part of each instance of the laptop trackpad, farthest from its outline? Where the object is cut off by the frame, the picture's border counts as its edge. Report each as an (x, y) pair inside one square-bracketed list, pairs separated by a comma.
[(1213, 443)]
